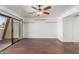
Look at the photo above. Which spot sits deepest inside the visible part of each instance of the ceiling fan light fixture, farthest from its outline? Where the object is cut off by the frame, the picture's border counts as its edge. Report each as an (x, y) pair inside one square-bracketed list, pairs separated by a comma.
[(39, 13), (42, 11)]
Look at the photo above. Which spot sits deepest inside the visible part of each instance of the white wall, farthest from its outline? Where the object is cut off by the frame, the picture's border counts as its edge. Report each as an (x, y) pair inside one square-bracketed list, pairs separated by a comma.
[(60, 28), (40, 29)]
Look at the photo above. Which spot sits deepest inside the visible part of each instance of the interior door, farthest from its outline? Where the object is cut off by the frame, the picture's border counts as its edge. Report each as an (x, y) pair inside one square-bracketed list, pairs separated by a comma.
[(67, 29), (76, 29)]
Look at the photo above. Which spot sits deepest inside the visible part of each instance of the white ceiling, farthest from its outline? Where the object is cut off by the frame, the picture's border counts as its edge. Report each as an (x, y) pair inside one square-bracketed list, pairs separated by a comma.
[(24, 10)]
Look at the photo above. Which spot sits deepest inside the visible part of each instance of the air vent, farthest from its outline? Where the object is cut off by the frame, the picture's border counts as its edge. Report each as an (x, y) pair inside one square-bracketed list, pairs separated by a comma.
[(40, 19)]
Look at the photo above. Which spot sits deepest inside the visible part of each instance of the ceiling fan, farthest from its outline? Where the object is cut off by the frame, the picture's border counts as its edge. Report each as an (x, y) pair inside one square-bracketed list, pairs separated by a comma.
[(39, 10)]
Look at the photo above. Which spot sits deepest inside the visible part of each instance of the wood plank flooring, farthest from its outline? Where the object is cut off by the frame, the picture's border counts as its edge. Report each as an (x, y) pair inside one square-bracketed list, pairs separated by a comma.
[(42, 46), (71, 48)]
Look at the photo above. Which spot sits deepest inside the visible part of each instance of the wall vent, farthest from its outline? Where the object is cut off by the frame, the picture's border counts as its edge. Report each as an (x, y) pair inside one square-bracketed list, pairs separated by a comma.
[(40, 19)]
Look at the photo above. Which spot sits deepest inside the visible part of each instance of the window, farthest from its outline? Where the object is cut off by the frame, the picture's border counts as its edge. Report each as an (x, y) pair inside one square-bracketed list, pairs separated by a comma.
[(2, 22)]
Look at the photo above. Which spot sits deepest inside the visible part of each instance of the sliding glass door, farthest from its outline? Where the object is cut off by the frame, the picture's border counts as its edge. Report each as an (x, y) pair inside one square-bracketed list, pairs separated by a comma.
[(5, 32), (10, 31), (16, 30)]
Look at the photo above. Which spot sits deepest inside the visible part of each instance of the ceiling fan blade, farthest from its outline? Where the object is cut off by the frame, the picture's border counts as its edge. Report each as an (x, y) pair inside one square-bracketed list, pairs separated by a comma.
[(46, 8), (34, 8), (46, 13)]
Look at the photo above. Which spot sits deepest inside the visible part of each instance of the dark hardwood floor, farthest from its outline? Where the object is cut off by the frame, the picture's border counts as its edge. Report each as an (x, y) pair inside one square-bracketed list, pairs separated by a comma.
[(42, 46), (71, 48)]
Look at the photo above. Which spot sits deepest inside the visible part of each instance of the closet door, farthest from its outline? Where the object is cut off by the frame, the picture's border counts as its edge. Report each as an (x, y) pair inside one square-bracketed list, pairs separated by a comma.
[(76, 29), (67, 29)]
